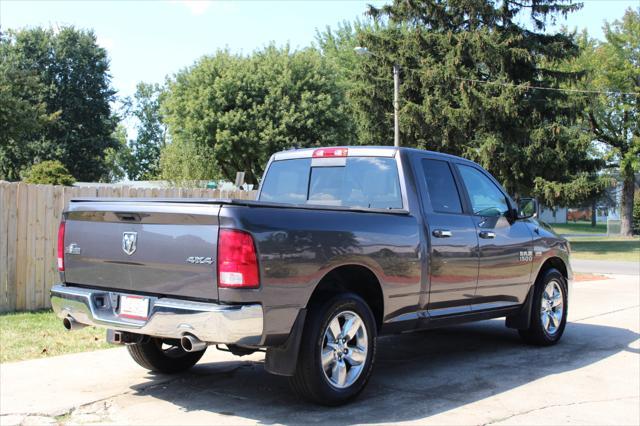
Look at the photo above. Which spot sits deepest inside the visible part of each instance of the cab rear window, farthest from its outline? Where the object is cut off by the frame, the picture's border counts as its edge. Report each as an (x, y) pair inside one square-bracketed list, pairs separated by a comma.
[(368, 182)]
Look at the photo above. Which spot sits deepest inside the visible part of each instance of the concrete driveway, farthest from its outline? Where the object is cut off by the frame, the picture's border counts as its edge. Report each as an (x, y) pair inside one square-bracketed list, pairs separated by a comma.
[(472, 374)]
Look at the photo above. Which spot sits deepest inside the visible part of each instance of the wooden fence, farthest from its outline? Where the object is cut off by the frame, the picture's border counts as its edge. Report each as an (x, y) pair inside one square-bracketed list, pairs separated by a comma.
[(29, 218)]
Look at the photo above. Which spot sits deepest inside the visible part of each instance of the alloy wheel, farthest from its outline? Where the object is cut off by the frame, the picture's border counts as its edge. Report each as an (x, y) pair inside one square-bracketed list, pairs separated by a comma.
[(552, 307), (344, 349)]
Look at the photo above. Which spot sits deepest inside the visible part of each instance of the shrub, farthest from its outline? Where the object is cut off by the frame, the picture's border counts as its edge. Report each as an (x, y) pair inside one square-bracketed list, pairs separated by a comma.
[(50, 172)]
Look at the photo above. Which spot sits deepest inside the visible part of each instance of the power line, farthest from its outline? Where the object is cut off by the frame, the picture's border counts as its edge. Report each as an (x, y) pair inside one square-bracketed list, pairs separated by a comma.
[(555, 89), (520, 86)]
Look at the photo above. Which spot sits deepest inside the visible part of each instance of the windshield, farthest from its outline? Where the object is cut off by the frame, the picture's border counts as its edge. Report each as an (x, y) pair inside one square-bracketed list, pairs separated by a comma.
[(369, 182)]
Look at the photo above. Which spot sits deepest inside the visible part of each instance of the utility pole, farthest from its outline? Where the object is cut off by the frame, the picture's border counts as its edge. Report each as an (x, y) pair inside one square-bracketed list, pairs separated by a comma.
[(396, 105)]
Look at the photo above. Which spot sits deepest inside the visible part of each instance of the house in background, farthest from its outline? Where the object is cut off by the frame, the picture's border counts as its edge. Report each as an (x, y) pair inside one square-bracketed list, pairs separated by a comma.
[(557, 215)]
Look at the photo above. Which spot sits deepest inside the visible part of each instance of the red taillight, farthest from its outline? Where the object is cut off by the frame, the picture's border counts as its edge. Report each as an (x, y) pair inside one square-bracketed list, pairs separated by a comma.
[(330, 152), (237, 260), (61, 247)]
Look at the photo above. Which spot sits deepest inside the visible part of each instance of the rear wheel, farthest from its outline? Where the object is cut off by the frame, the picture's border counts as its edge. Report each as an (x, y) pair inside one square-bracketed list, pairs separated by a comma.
[(162, 357), (549, 310), (337, 351)]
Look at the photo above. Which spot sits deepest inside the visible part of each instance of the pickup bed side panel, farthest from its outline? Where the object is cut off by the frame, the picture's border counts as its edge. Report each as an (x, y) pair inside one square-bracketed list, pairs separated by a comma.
[(298, 247)]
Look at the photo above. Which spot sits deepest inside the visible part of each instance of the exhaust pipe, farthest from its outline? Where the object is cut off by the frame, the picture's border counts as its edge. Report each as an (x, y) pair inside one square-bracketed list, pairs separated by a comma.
[(192, 344), (70, 324)]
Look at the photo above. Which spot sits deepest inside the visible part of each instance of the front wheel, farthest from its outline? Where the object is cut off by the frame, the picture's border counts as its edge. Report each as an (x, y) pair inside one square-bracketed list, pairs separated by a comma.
[(337, 351), (157, 355), (549, 310)]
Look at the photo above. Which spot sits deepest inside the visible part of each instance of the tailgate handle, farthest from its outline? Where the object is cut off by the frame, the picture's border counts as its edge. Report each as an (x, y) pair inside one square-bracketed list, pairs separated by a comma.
[(128, 217)]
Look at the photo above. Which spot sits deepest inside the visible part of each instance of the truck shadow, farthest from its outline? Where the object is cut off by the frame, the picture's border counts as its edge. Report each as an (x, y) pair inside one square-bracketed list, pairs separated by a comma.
[(416, 375)]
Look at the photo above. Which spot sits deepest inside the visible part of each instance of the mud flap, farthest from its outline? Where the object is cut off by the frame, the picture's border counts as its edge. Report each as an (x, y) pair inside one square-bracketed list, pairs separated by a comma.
[(522, 320), (282, 360)]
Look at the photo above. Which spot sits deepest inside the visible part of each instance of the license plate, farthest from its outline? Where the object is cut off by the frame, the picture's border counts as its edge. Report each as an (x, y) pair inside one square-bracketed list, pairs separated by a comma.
[(136, 307)]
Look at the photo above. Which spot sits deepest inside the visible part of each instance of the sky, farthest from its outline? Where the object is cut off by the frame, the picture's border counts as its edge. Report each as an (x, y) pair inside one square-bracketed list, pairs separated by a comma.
[(148, 40)]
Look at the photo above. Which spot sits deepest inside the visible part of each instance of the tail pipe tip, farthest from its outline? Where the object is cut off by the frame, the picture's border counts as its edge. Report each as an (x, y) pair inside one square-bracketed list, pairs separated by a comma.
[(192, 344), (71, 324)]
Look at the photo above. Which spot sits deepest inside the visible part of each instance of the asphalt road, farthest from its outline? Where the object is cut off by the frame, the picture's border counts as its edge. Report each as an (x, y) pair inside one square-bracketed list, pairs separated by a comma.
[(606, 267), (472, 374)]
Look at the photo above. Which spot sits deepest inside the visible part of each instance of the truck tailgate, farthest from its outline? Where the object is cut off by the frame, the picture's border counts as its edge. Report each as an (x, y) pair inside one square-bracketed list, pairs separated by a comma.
[(157, 247)]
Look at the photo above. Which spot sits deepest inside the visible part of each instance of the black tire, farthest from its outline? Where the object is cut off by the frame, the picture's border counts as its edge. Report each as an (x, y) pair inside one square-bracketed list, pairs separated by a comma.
[(153, 357), (537, 333), (310, 380)]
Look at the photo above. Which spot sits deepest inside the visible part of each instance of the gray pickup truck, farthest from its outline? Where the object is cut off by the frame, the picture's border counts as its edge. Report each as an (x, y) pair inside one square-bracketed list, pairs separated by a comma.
[(341, 246)]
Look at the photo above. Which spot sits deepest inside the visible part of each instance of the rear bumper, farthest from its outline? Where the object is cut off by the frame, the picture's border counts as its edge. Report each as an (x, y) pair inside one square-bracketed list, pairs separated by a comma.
[(168, 317)]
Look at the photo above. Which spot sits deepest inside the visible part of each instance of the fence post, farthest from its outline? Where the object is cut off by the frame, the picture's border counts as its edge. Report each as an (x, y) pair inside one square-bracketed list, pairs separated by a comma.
[(4, 248)]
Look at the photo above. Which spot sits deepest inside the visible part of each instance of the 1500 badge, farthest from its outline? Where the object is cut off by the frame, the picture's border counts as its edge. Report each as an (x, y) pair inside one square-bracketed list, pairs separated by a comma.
[(199, 260), (526, 256)]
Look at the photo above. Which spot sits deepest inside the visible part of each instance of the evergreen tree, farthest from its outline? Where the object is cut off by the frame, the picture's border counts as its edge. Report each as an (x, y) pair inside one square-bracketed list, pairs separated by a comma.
[(470, 74)]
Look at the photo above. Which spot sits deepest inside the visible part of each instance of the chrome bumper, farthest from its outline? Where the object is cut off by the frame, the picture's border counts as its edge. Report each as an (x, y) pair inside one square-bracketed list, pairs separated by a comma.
[(169, 318)]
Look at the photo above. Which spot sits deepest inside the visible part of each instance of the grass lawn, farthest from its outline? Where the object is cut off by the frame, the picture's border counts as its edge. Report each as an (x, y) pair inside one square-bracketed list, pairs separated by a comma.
[(580, 227), (606, 248), (28, 335)]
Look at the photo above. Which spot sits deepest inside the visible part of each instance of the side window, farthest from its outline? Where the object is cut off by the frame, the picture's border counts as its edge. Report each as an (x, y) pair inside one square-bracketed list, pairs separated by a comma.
[(486, 198), (441, 186)]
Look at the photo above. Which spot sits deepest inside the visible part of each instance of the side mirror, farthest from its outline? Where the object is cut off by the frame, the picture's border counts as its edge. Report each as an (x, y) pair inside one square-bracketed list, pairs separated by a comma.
[(527, 208)]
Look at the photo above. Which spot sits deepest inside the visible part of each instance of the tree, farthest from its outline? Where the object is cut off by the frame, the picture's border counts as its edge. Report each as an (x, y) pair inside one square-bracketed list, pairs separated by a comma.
[(118, 160), (470, 76), (636, 212), (71, 77), (614, 114), (151, 133), (337, 47), (185, 162), (50, 172), (23, 113), (229, 113)]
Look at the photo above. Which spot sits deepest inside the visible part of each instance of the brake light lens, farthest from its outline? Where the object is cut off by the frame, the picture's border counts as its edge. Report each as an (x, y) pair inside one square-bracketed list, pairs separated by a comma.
[(237, 260), (330, 152), (61, 247)]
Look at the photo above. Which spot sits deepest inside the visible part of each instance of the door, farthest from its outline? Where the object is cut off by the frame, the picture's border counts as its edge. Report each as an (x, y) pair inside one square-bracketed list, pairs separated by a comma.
[(505, 244), (453, 255)]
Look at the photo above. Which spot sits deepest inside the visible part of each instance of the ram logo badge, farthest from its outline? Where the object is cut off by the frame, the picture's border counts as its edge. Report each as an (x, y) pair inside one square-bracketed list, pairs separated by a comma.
[(129, 240), (199, 260)]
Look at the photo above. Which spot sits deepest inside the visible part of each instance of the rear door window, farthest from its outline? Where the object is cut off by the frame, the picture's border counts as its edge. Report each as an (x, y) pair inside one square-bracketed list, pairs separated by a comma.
[(443, 191)]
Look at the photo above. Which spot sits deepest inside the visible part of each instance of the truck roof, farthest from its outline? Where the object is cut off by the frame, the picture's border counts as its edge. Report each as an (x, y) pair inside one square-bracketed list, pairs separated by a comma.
[(360, 151)]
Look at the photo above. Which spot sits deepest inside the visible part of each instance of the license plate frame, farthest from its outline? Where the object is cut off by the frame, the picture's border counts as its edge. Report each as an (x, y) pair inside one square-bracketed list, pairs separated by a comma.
[(134, 307)]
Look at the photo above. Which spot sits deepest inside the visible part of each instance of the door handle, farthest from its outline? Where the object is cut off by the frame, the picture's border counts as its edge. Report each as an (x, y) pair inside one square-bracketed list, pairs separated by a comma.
[(487, 234), (442, 233)]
